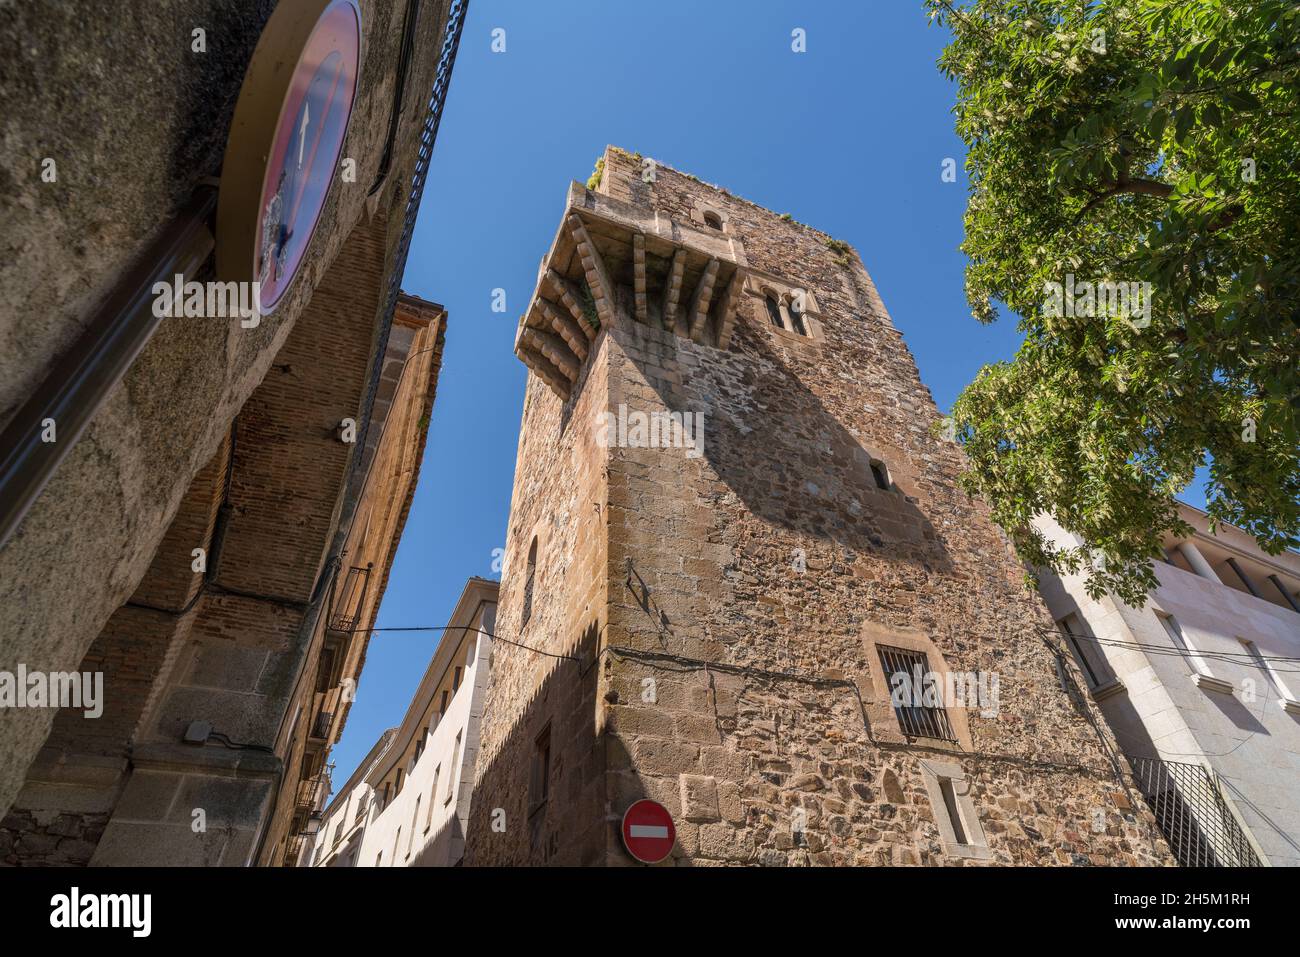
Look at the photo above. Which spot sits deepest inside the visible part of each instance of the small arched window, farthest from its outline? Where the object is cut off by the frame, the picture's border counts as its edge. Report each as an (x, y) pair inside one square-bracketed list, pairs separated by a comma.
[(880, 474), (528, 584), (796, 317), (774, 311), (713, 221)]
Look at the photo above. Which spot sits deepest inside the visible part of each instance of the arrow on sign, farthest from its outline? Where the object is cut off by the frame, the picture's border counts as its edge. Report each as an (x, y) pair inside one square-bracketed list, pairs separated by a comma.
[(302, 133)]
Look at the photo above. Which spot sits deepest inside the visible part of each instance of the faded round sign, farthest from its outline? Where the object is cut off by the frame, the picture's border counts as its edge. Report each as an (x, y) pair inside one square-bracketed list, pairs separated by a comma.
[(648, 831), (283, 153)]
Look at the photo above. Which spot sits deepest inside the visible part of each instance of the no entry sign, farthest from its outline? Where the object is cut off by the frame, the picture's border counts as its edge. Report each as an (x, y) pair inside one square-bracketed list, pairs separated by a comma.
[(648, 831)]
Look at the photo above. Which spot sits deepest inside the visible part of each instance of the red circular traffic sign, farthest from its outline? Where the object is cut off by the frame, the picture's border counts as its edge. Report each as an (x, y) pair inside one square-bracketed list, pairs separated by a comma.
[(648, 831)]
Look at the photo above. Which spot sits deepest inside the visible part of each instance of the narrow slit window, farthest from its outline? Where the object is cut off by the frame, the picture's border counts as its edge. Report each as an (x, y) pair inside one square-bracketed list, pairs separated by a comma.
[(452, 771), (415, 819), (527, 612), (880, 474), (1190, 654), (433, 794), (946, 788), (1086, 652), (1273, 677), (540, 786)]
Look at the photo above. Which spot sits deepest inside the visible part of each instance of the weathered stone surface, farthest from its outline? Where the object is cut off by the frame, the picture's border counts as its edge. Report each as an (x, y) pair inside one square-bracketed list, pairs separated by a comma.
[(749, 584), (131, 144), (699, 798)]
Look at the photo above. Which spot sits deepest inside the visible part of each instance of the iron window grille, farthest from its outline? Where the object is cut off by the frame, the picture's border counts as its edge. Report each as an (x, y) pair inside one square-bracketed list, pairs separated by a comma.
[(320, 728), (350, 599), (308, 790), (911, 684), (1192, 814)]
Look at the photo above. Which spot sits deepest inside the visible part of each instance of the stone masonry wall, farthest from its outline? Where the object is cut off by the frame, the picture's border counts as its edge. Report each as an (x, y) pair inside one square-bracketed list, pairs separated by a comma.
[(749, 589), (560, 498)]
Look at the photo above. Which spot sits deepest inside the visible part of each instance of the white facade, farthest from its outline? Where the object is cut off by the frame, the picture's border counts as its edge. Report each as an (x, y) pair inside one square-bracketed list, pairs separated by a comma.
[(410, 806), (1194, 677)]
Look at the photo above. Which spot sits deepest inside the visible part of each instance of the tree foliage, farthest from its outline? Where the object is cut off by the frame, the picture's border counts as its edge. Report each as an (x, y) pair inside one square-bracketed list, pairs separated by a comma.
[(1134, 141)]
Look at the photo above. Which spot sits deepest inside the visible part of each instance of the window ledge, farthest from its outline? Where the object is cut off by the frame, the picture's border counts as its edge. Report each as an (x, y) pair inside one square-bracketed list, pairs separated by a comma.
[(1108, 690), (972, 852), (790, 335), (1289, 706), (1211, 683)]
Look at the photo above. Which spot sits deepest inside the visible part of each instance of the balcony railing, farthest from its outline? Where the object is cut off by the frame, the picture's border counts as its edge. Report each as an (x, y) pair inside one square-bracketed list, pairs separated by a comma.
[(349, 599), (1192, 814), (308, 791), (320, 728)]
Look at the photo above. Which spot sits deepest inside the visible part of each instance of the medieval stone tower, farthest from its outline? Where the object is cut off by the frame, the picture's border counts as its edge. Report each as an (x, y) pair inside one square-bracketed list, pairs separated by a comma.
[(711, 614)]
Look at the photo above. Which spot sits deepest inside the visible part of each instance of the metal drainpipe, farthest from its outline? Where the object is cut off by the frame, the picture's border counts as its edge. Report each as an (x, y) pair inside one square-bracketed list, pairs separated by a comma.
[(83, 378)]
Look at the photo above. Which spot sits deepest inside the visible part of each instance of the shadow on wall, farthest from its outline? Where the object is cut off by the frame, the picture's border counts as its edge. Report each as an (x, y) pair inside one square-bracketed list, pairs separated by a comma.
[(541, 797), (791, 462), (437, 848), (1240, 715)]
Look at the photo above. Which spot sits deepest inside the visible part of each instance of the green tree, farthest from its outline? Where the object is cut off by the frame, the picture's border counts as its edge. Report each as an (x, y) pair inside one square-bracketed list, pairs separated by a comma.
[(1132, 141)]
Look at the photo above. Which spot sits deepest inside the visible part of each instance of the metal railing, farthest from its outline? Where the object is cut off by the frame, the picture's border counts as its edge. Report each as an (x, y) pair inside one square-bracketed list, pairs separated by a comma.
[(350, 598), (308, 791), (320, 728), (456, 13), (910, 682), (1192, 814)]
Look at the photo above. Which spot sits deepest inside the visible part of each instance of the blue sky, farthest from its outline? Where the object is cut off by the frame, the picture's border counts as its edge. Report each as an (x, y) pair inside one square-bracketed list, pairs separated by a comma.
[(848, 137)]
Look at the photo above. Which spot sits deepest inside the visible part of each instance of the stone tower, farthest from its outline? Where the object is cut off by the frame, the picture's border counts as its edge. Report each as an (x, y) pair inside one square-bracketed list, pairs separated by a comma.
[(733, 520)]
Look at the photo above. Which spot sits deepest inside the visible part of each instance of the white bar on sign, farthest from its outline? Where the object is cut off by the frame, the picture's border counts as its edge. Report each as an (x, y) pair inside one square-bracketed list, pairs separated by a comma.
[(647, 830)]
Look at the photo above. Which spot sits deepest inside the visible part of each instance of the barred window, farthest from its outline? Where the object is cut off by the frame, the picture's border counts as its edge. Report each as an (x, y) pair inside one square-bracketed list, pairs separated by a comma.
[(916, 697)]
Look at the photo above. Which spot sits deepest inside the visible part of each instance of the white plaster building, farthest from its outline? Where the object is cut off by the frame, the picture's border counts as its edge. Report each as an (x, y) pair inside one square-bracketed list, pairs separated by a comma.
[(407, 803), (1199, 691)]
